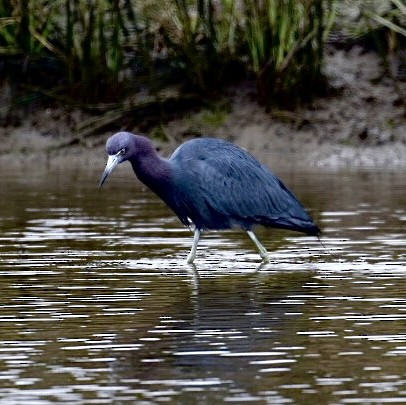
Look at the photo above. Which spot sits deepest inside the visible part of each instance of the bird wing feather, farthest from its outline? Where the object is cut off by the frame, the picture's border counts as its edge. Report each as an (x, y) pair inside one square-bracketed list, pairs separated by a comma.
[(231, 182), (242, 187)]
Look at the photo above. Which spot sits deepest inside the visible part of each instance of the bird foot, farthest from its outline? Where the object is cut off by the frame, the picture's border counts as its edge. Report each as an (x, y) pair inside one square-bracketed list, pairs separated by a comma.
[(190, 259), (265, 258)]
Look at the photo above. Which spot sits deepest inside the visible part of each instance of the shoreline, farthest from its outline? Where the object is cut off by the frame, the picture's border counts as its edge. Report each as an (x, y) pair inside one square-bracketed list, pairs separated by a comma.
[(363, 126)]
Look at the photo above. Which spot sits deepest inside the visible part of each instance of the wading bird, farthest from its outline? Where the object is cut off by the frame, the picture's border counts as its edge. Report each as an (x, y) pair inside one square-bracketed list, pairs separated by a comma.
[(213, 185)]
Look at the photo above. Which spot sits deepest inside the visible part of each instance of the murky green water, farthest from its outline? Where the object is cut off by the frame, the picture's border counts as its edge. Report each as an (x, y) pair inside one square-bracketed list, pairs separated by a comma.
[(98, 306)]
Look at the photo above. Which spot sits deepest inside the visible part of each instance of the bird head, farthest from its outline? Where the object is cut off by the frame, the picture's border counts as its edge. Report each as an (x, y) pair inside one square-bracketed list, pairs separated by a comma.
[(119, 148)]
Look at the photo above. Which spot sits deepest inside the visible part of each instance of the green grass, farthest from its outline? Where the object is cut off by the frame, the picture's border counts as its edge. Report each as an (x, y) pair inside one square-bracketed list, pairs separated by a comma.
[(96, 51), (286, 40)]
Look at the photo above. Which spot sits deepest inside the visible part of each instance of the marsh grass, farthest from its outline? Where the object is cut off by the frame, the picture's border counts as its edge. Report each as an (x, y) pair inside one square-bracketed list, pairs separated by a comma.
[(201, 38), (83, 41), (93, 47), (286, 41), (102, 50)]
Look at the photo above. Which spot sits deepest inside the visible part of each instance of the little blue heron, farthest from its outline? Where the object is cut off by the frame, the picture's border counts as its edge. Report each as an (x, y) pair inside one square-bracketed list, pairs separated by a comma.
[(213, 185)]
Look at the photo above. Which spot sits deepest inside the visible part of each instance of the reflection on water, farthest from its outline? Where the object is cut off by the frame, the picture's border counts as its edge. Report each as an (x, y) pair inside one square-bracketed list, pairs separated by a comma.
[(98, 305)]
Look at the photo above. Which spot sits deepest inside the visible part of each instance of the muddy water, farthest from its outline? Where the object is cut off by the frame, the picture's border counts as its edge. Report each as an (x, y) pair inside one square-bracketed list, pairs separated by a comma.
[(98, 306)]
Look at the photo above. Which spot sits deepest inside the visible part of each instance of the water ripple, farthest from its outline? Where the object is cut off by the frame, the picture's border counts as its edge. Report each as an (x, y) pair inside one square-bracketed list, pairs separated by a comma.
[(98, 305)]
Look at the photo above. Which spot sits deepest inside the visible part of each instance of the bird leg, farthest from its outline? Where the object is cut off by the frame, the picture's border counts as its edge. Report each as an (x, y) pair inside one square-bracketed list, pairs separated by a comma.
[(262, 251), (192, 254)]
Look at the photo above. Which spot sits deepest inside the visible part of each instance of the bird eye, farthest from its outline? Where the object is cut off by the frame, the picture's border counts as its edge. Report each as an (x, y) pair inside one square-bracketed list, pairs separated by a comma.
[(122, 151)]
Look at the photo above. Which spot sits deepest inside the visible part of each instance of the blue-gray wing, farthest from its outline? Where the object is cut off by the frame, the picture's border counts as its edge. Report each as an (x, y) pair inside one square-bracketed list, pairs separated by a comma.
[(220, 185)]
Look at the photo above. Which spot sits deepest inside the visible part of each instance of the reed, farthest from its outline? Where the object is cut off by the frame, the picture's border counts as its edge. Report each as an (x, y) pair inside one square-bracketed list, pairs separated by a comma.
[(286, 42), (201, 37), (93, 38), (84, 40), (100, 48), (25, 27)]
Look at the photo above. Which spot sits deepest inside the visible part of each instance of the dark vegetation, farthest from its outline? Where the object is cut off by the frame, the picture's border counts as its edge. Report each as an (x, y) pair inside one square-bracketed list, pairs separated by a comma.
[(116, 57)]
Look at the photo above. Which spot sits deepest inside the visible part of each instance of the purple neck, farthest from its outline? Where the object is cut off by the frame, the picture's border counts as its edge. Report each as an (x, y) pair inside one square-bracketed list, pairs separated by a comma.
[(149, 167)]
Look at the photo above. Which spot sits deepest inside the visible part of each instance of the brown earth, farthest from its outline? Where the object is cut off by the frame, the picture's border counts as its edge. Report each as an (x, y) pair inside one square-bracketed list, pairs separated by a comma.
[(362, 126)]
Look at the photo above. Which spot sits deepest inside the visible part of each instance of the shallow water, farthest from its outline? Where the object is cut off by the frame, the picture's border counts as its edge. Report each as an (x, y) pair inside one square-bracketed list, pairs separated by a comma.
[(98, 305)]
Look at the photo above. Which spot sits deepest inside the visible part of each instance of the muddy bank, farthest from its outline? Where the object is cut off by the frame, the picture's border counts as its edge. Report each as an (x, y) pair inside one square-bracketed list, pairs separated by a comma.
[(363, 125)]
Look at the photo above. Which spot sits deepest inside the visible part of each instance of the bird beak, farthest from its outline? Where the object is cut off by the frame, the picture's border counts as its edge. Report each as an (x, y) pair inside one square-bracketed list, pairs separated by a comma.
[(112, 162)]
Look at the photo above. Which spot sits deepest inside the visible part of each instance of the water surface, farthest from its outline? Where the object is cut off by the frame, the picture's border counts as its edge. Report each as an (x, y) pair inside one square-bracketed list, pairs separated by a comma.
[(98, 305)]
